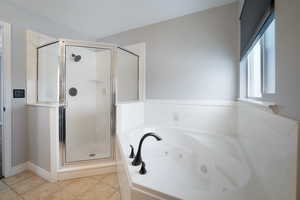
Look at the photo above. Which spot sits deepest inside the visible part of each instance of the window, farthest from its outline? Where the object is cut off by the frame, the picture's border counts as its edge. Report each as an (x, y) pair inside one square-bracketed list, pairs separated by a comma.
[(260, 66), (269, 60), (254, 69)]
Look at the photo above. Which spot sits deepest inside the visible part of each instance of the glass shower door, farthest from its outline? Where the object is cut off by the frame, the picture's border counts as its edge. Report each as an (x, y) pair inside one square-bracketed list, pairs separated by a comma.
[(88, 103), (128, 76)]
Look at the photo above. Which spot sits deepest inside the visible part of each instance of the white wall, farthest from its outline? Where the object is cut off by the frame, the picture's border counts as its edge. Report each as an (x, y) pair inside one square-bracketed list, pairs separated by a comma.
[(43, 152), (190, 57), (22, 20), (39, 121), (287, 62), (1, 46), (1, 39), (1, 84)]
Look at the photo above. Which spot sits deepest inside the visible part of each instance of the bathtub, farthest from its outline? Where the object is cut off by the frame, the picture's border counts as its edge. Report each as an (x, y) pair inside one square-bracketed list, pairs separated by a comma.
[(186, 164)]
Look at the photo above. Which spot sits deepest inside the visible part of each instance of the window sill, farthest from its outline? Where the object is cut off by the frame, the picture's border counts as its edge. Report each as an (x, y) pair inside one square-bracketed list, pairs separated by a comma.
[(271, 106)]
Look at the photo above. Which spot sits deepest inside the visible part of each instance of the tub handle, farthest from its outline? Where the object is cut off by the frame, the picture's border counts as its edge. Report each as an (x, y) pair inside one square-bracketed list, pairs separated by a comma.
[(132, 155)]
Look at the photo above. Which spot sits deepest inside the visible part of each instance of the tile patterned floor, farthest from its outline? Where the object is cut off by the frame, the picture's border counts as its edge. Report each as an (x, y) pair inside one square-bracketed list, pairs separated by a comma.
[(27, 186)]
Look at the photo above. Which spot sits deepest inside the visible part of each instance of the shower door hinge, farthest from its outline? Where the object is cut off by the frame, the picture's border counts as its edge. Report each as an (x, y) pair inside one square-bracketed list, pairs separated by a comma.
[(4, 109)]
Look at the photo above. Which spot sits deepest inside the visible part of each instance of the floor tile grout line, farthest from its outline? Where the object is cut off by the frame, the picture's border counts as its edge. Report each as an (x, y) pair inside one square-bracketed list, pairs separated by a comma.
[(35, 188), (20, 180), (11, 189), (23, 180), (60, 189), (89, 189), (115, 190), (112, 194), (45, 181), (56, 183)]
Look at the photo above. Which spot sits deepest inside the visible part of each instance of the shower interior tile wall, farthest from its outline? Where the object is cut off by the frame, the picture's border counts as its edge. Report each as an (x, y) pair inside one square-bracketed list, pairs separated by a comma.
[(91, 77)]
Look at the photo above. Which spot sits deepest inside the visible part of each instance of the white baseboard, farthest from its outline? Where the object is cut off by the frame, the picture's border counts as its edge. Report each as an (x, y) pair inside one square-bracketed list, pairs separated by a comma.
[(31, 167), (18, 169), (84, 172), (66, 173), (40, 172), (193, 102)]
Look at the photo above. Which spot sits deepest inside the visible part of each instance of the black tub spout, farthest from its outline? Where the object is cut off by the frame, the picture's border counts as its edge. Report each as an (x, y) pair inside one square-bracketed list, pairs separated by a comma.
[(138, 158)]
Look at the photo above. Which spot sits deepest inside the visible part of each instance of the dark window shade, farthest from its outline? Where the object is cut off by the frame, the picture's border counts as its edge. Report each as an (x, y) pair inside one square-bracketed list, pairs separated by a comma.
[(255, 18)]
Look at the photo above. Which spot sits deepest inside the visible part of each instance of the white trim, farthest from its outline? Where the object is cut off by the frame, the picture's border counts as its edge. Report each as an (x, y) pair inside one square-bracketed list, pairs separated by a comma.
[(269, 106), (54, 142), (78, 172), (193, 102), (40, 171), (6, 95), (32, 167), (18, 169), (66, 173), (129, 102), (86, 167), (47, 105)]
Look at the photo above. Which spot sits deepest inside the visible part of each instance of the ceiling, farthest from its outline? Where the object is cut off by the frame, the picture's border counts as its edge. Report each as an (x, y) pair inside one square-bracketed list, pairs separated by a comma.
[(99, 18)]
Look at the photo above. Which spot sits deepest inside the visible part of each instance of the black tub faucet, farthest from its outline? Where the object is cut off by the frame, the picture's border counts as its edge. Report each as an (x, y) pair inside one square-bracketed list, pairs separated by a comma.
[(131, 152), (138, 158), (143, 170)]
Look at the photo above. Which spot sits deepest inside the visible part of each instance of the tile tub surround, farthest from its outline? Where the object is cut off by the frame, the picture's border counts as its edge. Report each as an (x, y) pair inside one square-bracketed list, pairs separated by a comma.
[(217, 117), (204, 116), (269, 142), (27, 186), (201, 166), (129, 116)]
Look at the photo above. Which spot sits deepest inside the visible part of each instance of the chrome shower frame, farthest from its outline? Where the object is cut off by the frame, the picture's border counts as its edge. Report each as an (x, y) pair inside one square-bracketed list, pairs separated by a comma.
[(62, 100)]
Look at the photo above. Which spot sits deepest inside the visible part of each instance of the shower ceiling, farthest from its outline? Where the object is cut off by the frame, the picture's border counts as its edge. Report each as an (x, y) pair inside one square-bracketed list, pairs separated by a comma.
[(99, 18)]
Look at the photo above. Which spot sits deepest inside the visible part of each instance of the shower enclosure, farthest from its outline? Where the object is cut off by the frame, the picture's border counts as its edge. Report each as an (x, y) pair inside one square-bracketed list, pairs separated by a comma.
[(80, 78)]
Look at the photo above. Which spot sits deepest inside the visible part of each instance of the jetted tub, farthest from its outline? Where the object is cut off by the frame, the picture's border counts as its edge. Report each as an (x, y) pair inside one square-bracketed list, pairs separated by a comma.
[(185, 165)]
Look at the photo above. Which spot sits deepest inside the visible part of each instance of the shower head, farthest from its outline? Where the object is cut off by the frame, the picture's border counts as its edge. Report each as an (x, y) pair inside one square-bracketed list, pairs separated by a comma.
[(76, 58)]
